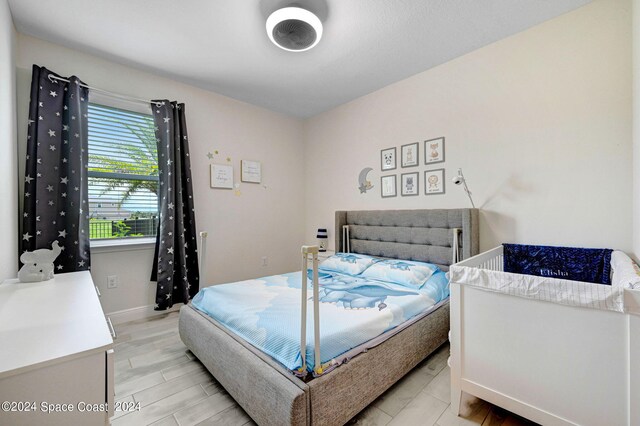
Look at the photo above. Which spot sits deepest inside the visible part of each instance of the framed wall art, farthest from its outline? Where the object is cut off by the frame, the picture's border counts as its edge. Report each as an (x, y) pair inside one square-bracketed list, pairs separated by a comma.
[(409, 182), (251, 171), (222, 176), (409, 155), (388, 186), (388, 159), (434, 181), (434, 151)]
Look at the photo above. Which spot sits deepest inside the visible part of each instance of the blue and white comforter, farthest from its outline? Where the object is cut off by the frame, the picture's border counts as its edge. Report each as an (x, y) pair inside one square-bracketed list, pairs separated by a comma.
[(266, 312)]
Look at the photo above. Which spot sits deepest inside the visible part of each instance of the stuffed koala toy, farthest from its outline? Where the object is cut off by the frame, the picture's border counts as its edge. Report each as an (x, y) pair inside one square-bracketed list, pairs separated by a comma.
[(38, 264)]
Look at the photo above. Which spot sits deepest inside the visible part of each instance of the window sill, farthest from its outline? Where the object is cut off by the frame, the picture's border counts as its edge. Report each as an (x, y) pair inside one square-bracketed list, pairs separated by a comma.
[(122, 244)]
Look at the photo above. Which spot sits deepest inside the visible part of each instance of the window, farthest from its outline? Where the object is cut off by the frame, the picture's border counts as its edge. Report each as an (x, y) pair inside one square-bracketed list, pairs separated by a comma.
[(123, 173)]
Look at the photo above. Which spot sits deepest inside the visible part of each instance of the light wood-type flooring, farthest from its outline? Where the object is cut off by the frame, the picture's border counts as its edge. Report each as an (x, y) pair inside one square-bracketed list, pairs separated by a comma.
[(155, 369)]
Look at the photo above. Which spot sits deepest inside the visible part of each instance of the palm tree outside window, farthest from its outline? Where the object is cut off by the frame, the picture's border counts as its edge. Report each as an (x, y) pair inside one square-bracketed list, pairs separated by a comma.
[(123, 173)]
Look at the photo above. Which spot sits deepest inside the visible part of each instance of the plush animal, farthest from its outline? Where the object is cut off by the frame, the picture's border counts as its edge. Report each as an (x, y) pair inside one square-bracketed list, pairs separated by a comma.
[(38, 264)]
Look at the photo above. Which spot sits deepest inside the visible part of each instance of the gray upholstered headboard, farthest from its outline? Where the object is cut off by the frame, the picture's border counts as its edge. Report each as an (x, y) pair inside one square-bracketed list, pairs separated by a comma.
[(421, 235)]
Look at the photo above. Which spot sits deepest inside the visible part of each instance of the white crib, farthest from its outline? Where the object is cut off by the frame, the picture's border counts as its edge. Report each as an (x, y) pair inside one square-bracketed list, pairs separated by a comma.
[(552, 363)]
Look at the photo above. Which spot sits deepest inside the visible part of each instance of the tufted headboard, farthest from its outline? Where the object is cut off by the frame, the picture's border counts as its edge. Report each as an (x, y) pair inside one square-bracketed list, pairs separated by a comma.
[(422, 235)]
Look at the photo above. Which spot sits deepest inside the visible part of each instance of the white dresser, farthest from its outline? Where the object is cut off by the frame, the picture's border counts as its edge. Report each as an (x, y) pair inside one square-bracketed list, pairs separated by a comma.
[(56, 353)]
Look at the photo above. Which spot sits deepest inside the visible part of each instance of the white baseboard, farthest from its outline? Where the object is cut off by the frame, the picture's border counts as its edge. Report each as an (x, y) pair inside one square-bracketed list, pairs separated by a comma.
[(138, 313)]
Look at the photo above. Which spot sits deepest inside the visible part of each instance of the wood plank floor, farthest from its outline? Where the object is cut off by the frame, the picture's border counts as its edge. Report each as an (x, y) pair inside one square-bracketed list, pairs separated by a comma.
[(154, 369)]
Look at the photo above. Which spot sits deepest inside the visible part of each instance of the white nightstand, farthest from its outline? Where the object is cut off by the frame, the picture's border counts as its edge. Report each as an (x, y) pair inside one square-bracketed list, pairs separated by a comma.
[(323, 255)]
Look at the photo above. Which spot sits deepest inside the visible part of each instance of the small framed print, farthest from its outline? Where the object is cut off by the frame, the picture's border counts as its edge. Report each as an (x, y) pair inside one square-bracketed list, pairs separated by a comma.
[(434, 151), (388, 159), (409, 155), (434, 181), (221, 176), (388, 186), (409, 183), (251, 171)]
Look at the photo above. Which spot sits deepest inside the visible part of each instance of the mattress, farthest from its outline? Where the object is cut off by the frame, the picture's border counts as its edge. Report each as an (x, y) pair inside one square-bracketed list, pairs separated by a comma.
[(355, 313)]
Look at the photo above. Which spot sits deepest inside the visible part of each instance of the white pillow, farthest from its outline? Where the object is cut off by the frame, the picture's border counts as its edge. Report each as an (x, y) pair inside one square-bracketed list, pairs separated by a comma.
[(625, 272), (404, 272), (347, 263)]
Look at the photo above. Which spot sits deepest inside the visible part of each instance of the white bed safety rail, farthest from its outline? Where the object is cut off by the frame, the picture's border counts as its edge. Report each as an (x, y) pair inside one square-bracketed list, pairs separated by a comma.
[(313, 251), (202, 258), (346, 239)]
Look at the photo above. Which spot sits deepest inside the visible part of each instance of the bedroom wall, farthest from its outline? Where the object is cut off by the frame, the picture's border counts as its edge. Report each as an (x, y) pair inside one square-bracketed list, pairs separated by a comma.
[(540, 122), (242, 228), (8, 165)]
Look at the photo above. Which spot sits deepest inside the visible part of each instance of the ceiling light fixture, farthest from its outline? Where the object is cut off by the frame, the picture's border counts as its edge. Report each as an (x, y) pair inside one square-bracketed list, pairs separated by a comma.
[(294, 29)]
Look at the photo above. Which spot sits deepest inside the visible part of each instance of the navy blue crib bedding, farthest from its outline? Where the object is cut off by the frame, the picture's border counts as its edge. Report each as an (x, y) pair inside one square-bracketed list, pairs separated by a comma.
[(569, 263)]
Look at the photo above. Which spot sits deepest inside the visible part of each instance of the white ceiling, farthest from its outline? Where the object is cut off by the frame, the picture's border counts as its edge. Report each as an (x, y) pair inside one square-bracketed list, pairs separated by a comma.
[(222, 45)]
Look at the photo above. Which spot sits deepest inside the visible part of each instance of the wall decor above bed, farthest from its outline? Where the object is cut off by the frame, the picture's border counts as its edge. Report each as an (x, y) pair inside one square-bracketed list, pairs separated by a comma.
[(388, 186), (434, 151), (388, 159), (409, 182), (409, 155), (363, 183), (434, 182)]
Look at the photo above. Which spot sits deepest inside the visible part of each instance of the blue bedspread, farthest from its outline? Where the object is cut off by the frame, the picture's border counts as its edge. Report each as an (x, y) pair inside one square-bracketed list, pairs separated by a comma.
[(266, 312)]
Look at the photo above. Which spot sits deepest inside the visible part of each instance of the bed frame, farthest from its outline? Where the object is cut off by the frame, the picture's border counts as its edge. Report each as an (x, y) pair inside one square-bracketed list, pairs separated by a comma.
[(551, 363), (272, 395)]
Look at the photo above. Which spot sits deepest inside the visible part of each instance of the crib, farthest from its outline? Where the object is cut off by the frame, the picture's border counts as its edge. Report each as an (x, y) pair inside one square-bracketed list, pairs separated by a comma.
[(558, 353)]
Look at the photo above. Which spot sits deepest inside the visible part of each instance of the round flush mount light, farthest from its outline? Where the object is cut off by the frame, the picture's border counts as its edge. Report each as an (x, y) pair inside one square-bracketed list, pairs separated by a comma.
[(294, 29)]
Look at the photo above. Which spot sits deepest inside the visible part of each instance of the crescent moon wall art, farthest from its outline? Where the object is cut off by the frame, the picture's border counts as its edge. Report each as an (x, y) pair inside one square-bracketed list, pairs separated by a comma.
[(365, 184)]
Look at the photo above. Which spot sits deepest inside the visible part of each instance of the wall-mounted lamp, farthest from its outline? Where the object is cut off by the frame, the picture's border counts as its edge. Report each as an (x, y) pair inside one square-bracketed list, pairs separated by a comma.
[(459, 179), (322, 239)]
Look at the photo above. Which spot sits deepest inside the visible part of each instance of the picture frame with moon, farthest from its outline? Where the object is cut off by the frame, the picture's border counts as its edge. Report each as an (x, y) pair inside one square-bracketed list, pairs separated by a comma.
[(364, 184)]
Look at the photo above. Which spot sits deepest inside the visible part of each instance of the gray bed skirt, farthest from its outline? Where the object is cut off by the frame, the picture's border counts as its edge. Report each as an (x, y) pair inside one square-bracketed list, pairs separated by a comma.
[(272, 395)]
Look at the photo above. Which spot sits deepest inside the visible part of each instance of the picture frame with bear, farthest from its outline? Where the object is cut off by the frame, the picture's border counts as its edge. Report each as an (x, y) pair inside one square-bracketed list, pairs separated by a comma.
[(434, 151), (388, 159), (434, 182), (409, 184), (409, 155)]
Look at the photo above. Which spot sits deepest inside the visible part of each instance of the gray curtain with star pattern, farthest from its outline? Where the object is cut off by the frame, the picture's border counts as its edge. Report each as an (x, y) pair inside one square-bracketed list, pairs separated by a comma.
[(55, 182), (175, 264)]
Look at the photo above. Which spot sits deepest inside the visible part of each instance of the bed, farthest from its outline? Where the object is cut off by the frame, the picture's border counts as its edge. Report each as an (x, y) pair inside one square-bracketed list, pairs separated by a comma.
[(273, 395), (556, 351)]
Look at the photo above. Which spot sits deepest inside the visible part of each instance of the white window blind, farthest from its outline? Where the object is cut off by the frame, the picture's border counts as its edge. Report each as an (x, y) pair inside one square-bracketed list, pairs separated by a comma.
[(123, 173)]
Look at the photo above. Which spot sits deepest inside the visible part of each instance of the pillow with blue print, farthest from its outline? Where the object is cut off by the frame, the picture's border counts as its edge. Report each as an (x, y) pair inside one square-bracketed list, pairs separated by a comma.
[(348, 263), (403, 272)]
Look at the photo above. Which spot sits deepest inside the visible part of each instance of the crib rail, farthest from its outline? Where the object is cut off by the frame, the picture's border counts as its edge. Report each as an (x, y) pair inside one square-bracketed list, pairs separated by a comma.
[(492, 260)]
